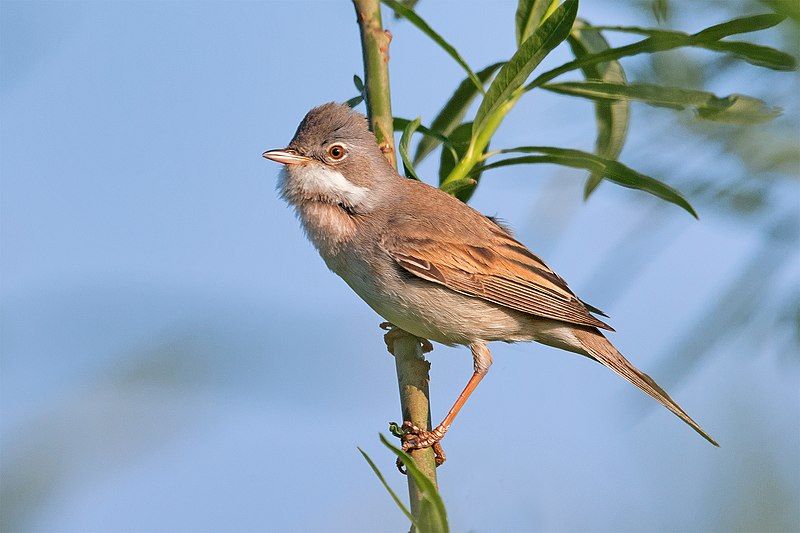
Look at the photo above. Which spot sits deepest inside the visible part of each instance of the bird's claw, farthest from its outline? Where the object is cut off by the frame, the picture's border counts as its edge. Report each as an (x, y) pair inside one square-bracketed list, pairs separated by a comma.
[(393, 333), (416, 438)]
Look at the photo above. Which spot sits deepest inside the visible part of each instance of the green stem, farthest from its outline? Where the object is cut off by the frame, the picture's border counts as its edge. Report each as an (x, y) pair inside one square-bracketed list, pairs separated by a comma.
[(475, 154), (375, 49), (412, 368)]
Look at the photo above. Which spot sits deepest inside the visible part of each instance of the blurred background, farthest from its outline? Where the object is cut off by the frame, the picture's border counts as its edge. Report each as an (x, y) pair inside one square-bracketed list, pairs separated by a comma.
[(176, 357)]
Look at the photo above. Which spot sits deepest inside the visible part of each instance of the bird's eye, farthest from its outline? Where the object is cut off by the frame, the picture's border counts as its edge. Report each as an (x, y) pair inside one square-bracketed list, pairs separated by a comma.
[(336, 151)]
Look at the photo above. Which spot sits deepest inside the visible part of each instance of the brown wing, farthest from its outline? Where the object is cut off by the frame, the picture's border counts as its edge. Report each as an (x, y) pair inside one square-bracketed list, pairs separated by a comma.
[(495, 267)]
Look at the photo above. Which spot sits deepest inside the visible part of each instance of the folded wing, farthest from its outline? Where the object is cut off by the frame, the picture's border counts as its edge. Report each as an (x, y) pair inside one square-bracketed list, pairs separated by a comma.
[(496, 268)]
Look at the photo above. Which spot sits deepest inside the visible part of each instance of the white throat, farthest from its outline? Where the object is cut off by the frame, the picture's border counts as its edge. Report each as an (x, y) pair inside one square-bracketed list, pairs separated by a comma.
[(317, 182)]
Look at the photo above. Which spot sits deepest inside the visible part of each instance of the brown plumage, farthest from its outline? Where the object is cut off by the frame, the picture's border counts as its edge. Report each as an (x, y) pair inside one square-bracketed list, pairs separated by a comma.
[(428, 263)]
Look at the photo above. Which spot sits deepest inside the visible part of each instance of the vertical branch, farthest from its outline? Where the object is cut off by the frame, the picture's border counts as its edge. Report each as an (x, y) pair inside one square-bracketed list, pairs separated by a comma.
[(375, 48), (412, 368)]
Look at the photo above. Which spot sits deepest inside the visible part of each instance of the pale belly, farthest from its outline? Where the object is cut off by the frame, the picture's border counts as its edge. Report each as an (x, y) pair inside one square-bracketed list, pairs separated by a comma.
[(428, 310)]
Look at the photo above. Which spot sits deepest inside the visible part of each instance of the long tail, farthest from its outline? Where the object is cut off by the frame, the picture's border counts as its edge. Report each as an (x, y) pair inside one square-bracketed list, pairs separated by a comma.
[(604, 352)]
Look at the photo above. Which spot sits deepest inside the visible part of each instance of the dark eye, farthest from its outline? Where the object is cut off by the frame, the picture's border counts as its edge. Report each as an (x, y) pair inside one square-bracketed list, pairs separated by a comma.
[(336, 151)]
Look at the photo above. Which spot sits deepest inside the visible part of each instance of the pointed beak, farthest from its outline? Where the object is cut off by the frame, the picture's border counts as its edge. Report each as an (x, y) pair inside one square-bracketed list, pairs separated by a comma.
[(287, 156)]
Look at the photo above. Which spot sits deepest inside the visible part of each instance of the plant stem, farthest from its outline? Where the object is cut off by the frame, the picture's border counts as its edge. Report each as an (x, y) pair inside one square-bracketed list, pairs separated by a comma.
[(375, 49), (475, 153), (412, 368)]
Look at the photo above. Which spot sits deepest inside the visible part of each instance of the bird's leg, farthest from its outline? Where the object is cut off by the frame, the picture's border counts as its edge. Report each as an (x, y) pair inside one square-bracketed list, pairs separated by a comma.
[(415, 438), (393, 332)]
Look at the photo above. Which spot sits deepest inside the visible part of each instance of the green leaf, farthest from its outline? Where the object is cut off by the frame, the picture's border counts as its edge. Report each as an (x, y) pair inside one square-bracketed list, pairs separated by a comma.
[(417, 21), (453, 112), (712, 33), (739, 25), (514, 73), (531, 13), (354, 101), (405, 139), (789, 8), (760, 56), (400, 123), (462, 188), (433, 516), (611, 170), (392, 493), (732, 109), (660, 41), (612, 117), (660, 9), (458, 188)]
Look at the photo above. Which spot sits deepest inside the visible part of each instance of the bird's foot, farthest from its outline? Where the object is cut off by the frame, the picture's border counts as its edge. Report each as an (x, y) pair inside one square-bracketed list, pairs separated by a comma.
[(393, 333), (415, 438)]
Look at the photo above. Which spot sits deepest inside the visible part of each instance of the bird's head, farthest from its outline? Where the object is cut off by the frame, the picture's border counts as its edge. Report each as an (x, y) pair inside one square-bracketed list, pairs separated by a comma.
[(332, 158)]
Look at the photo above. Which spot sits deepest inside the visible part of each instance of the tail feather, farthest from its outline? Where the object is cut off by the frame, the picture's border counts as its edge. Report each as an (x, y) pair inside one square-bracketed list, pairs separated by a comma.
[(604, 352)]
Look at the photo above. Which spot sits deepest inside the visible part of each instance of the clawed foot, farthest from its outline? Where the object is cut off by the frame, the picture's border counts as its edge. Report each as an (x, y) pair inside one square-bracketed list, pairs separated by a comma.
[(393, 333), (415, 438)]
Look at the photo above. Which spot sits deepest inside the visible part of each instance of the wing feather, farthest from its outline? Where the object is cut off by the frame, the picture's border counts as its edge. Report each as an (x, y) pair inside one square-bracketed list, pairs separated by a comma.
[(495, 267)]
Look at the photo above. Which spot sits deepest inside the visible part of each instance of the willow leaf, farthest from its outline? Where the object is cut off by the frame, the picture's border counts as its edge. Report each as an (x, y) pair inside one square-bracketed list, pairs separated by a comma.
[(613, 171), (514, 73), (453, 112), (755, 54), (354, 101), (460, 187), (423, 26), (612, 117), (433, 516), (392, 493), (463, 188), (660, 41), (762, 56), (529, 15), (400, 123), (732, 109), (405, 139), (739, 25)]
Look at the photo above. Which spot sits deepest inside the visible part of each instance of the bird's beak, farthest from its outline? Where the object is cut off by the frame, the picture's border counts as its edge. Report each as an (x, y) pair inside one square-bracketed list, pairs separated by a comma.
[(287, 156)]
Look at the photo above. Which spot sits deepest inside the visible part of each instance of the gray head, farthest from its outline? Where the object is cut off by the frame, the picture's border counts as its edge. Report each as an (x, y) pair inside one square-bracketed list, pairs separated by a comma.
[(333, 158)]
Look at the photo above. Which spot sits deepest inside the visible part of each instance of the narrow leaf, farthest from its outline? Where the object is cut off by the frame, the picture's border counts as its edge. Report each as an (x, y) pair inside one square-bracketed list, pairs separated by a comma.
[(531, 13), (514, 73), (453, 112), (732, 109), (354, 101), (611, 170), (462, 188), (433, 516), (739, 25), (789, 8), (405, 139), (660, 41), (458, 188), (612, 117), (760, 56), (359, 83), (400, 124), (423, 26), (394, 496), (712, 33)]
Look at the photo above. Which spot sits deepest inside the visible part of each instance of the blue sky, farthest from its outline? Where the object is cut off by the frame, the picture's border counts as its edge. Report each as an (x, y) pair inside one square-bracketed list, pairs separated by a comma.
[(176, 357)]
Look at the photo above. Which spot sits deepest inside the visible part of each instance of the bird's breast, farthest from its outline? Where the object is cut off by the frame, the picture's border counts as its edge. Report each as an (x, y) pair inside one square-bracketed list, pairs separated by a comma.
[(328, 227)]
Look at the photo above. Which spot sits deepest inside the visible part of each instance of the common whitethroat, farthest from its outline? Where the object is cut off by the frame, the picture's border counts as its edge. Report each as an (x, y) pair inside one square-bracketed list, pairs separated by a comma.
[(430, 264)]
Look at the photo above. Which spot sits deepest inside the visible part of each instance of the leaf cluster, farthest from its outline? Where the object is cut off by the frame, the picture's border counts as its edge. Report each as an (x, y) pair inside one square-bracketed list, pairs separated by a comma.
[(541, 26)]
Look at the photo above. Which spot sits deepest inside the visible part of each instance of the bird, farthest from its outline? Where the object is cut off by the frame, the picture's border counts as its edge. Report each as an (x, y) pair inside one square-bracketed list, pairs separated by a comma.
[(431, 265)]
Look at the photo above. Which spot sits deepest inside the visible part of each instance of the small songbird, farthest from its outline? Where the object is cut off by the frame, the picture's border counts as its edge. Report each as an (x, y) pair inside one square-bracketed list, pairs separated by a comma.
[(430, 264)]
